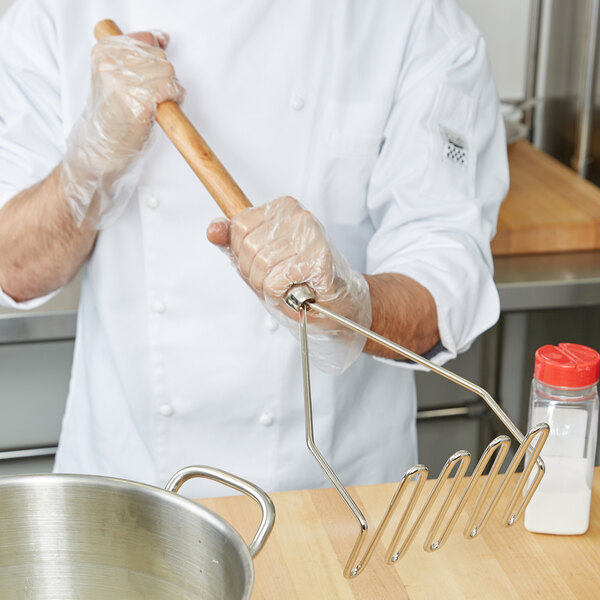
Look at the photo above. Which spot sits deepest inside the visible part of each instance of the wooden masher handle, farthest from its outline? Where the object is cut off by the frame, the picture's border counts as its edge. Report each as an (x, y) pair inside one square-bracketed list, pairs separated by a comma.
[(209, 169)]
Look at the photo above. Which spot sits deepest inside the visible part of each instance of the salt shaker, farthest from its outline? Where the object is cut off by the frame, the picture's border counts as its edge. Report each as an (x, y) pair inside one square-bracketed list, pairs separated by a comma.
[(564, 394)]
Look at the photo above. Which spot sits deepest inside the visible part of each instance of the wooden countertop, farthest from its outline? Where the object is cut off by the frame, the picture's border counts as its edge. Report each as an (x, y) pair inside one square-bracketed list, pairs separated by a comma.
[(549, 207), (314, 531)]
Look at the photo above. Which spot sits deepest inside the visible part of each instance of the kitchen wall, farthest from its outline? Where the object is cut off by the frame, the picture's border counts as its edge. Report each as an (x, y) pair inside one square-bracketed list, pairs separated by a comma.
[(505, 26)]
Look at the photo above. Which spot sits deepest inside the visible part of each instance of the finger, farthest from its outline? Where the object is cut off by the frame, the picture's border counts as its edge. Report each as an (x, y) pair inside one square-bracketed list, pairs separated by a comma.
[(218, 232), (249, 247), (243, 224), (126, 50), (161, 89), (268, 238), (278, 211), (124, 57), (266, 260), (283, 276), (142, 101), (146, 81), (148, 70), (313, 266), (155, 37)]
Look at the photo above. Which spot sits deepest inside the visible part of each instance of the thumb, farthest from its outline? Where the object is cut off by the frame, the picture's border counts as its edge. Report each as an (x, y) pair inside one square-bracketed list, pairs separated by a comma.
[(218, 232)]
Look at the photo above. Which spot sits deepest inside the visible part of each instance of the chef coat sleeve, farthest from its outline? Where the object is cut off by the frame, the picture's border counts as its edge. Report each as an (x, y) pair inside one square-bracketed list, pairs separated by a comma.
[(31, 132), (440, 178)]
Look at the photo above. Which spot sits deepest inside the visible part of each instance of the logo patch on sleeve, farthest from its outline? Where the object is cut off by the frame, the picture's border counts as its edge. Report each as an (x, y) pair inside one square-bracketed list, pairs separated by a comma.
[(455, 149)]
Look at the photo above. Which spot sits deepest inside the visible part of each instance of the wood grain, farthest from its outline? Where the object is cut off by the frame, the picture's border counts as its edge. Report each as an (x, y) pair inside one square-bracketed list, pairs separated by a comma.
[(549, 208), (304, 557)]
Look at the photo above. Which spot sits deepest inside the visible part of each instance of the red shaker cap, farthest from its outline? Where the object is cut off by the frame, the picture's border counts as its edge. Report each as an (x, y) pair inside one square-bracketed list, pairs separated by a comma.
[(567, 365)]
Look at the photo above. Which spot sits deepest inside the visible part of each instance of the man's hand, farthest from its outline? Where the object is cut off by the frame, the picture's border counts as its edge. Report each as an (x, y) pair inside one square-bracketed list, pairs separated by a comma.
[(130, 77), (280, 244), (48, 230)]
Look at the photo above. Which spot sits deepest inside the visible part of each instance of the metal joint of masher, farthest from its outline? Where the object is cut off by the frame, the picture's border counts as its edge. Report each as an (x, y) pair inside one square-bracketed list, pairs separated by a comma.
[(302, 299)]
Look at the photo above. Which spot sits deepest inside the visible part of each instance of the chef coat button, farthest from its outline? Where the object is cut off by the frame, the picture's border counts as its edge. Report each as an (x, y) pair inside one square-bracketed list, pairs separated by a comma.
[(158, 307), (271, 324), (266, 419), (166, 410), (297, 102), (152, 202)]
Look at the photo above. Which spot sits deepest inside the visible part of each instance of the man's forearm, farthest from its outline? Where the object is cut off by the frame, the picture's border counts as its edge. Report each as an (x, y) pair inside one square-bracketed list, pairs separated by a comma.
[(404, 312), (41, 246)]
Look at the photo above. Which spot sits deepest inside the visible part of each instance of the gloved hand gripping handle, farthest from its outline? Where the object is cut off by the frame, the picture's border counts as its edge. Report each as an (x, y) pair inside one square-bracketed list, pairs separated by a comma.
[(209, 169)]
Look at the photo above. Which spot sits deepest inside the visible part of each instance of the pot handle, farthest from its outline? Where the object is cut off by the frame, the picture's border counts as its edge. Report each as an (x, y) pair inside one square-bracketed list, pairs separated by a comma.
[(241, 485)]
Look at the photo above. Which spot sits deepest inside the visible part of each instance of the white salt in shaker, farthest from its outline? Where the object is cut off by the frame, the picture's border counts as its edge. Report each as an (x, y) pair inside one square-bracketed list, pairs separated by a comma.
[(564, 395)]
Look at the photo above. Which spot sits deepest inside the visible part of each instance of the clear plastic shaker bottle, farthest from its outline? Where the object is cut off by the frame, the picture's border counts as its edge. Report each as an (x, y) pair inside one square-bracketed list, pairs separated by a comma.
[(564, 394)]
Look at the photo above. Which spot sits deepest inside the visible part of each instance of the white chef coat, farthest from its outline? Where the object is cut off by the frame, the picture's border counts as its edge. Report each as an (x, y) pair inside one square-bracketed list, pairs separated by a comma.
[(380, 117)]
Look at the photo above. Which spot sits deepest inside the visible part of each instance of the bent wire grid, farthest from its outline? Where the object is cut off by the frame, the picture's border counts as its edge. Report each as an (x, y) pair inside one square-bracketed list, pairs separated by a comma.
[(302, 299)]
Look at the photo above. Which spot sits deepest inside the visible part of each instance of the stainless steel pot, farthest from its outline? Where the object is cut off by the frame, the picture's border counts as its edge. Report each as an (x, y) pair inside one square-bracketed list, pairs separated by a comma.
[(66, 537)]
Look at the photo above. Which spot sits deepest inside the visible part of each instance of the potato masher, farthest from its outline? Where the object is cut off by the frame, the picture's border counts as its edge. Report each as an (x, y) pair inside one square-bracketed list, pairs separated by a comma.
[(302, 299), (232, 200)]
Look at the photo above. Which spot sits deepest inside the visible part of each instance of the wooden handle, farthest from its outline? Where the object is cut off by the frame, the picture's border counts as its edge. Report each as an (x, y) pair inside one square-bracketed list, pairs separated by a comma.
[(209, 169)]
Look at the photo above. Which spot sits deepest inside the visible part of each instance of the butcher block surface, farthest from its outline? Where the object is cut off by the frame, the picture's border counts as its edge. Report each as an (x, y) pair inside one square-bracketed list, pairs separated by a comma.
[(314, 531), (549, 208)]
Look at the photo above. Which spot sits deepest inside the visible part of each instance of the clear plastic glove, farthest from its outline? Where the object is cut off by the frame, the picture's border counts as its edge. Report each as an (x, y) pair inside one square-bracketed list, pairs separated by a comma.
[(130, 77), (280, 244)]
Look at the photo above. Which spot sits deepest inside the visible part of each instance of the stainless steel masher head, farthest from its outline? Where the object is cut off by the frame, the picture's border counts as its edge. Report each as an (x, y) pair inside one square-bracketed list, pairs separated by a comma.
[(302, 299)]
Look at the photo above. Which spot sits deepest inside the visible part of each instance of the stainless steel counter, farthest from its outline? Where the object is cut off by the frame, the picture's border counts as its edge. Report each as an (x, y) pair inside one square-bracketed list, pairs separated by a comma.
[(542, 281), (36, 353), (55, 320)]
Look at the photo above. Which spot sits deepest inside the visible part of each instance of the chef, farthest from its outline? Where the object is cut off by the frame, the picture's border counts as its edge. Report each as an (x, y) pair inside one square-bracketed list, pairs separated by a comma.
[(368, 137)]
